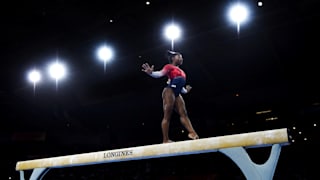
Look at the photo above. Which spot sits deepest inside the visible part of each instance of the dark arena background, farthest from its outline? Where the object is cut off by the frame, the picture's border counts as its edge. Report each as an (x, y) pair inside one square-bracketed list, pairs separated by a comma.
[(258, 75)]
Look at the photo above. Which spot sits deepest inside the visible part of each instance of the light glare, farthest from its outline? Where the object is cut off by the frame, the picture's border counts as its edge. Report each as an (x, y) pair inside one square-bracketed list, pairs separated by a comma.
[(34, 76), (57, 70), (238, 13), (172, 31), (105, 53)]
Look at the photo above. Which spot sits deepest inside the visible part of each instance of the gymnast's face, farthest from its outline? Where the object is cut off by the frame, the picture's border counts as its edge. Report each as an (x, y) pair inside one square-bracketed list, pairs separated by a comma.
[(177, 59)]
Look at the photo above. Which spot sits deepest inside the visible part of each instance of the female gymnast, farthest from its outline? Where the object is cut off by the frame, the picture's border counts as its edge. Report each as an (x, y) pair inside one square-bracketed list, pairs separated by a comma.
[(171, 94)]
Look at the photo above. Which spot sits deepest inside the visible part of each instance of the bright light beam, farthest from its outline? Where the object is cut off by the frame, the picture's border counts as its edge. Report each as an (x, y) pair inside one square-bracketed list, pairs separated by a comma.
[(172, 32), (105, 54), (34, 76), (57, 71), (238, 14)]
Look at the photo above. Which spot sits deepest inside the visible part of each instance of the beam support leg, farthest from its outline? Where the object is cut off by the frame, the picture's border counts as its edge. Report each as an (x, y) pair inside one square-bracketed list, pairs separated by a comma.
[(37, 174), (251, 170)]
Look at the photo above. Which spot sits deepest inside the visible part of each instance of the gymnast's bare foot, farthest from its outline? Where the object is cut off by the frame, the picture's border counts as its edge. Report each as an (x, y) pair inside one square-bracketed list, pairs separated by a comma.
[(168, 141), (193, 136)]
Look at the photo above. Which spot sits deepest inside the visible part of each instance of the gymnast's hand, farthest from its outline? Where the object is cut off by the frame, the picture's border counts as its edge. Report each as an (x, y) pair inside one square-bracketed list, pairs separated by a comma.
[(147, 68), (188, 88)]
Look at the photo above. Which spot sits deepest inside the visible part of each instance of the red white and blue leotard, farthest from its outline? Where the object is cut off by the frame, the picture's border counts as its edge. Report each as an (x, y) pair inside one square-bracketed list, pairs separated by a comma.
[(176, 76), (173, 71)]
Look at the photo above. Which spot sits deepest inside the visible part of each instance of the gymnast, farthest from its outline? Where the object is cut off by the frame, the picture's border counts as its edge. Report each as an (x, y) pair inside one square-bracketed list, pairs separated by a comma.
[(171, 94)]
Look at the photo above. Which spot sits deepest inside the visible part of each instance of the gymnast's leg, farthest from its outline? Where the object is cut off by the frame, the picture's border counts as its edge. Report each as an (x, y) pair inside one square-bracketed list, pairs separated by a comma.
[(168, 99), (185, 121)]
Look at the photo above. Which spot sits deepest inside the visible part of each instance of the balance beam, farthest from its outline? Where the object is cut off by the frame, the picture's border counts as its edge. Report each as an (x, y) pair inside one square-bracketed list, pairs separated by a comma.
[(231, 145)]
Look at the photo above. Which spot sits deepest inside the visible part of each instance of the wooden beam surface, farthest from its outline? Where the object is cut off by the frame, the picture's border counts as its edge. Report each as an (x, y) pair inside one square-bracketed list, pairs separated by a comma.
[(211, 144)]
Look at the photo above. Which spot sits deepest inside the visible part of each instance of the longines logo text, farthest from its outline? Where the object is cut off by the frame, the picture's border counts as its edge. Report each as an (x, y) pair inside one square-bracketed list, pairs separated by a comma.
[(117, 154)]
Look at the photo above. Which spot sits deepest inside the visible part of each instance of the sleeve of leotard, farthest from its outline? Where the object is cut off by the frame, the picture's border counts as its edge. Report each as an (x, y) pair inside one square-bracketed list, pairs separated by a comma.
[(161, 73), (157, 74)]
